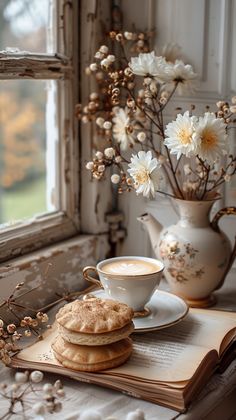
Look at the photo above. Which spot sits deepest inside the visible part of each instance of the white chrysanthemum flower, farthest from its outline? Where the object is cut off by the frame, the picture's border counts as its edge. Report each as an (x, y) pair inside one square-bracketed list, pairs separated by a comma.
[(180, 135), (148, 64), (181, 73), (171, 52), (121, 127), (145, 172), (211, 137)]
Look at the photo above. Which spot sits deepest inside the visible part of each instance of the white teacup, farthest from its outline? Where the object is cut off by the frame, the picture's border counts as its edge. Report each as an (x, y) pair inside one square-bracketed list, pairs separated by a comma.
[(131, 280)]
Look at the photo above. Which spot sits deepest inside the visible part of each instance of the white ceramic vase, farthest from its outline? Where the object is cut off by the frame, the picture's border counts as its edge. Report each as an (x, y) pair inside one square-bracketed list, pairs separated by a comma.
[(196, 253)]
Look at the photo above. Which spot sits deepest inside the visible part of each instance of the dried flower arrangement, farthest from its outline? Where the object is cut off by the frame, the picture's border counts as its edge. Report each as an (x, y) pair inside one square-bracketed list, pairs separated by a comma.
[(27, 394), (11, 333), (128, 112), (25, 386), (30, 325)]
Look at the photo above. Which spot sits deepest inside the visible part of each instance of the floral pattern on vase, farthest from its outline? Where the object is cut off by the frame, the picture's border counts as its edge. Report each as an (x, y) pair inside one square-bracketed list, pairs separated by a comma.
[(196, 253), (179, 260)]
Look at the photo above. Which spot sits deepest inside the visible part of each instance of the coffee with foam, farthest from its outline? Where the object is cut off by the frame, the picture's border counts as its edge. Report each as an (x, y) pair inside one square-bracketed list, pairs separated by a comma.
[(130, 267), (127, 279)]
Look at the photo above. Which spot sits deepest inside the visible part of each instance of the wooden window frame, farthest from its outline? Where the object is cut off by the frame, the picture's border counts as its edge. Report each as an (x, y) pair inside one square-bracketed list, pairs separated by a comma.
[(49, 228)]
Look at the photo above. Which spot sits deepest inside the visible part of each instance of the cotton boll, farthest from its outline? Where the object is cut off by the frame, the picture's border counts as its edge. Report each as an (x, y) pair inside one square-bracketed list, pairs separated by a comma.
[(111, 58), (107, 125), (21, 377), (103, 49), (118, 159), (89, 165), (105, 62), (90, 414), (99, 55), (115, 179), (93, 66), (141, 136), (233, 109), (101, 168), (109, 152), (38, 408), (93, 96), (36, 376), (100, 121), (136, 415), (128, 35), (99, 155), (148, 101), (48, 388), (111, 418)]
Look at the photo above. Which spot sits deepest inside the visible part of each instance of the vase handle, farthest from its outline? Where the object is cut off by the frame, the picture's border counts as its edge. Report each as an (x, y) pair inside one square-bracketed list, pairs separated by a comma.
[(226, 211)]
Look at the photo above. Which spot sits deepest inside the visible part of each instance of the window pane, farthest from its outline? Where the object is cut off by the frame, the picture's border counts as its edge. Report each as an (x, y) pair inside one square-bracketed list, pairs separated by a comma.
[(27, 158), (24, 24)]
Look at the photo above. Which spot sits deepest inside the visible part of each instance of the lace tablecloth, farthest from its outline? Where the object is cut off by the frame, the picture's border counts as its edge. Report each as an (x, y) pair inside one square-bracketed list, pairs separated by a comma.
[(81, 396)]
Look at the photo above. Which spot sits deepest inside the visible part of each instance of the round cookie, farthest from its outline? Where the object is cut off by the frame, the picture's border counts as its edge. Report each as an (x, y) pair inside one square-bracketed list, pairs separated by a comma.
[(96, 339), (95, 316), (91, 359)]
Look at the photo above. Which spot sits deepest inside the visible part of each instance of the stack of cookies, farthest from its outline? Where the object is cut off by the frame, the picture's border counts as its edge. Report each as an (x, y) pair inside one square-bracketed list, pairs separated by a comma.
[(93, 334)]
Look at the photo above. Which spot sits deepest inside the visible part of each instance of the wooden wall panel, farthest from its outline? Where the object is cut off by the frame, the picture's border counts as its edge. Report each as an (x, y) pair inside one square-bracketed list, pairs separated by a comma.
[(206, 31), (179, 22), (233, 48)]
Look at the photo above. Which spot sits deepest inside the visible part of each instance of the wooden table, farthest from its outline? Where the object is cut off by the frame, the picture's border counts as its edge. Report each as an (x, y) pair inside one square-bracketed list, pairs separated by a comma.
[(216, 402)]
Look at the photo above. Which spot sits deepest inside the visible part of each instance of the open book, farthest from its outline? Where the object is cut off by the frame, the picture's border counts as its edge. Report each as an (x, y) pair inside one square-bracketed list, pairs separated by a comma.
[(167, 367)]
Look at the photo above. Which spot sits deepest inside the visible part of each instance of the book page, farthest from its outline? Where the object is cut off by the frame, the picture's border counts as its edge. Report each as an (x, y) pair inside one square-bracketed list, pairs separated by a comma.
[(173, 354), (169, 355)]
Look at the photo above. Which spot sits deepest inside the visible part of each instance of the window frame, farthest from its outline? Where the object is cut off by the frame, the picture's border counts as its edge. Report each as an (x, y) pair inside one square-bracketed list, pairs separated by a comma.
[(49, 228)]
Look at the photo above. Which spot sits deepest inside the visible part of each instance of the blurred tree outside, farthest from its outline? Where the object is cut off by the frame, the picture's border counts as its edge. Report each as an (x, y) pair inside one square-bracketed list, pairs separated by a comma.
[(23, 25), (17, 121)]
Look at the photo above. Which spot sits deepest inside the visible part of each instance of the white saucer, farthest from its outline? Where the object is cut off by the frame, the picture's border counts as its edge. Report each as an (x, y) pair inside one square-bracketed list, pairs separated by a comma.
[(166, 309)]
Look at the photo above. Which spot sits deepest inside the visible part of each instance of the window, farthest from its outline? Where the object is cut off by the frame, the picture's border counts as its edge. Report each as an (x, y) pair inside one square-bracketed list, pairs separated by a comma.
[(38, 137)]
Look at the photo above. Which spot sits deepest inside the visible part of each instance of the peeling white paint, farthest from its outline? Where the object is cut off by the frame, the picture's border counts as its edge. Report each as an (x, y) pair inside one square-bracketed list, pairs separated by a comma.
[(64, 274)]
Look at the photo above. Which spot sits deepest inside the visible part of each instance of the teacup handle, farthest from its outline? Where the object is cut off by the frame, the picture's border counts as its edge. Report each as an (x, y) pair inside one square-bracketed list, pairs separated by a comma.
[(89, 278)]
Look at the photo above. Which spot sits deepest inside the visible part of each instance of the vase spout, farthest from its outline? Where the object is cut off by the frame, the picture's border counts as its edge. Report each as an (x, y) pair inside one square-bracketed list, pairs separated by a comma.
[(154, 229)]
